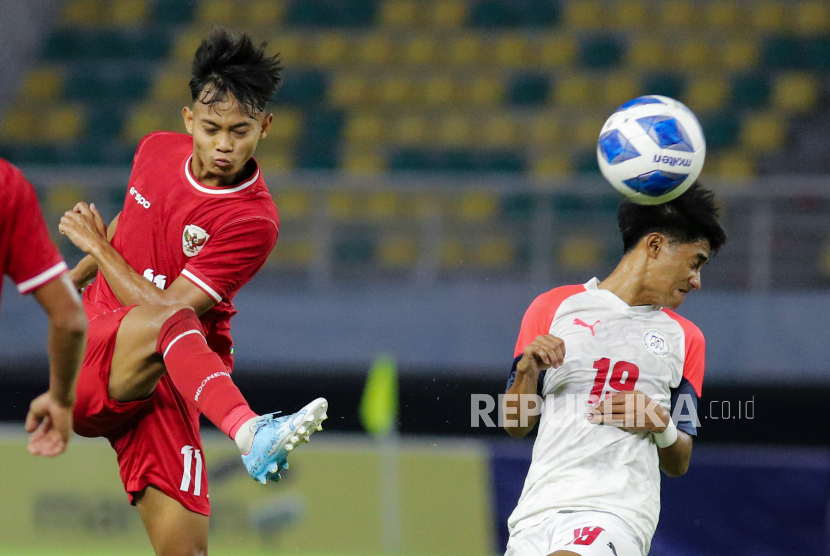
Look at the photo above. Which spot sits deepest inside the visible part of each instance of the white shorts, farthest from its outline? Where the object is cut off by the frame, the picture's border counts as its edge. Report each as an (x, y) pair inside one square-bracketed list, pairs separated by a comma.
[(587, 533)]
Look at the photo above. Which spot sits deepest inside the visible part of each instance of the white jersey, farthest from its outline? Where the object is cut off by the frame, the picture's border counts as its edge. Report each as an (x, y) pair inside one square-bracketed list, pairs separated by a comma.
[(609, 346)]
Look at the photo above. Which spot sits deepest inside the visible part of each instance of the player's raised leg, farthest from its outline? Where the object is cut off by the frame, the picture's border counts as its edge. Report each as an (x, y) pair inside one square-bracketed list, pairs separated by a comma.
[(173, 529), (153, 340)]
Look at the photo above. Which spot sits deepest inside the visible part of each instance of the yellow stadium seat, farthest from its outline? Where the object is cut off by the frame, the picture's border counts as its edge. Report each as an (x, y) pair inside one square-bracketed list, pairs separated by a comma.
[(128, 12), (330, 49), (453, 130), (375, 49), (410, 131), (399, 13), (795, 92), (619, 88), (511, 50), (349, 90), (580, 253), (764, 132), (343, 205), (293, 204), (216, 12), (397, 90), (420, 50), (287, 125), (279, 161), (293, 49), (735, 166), (811, 17), (383, 205), (695, 54), (293, 254), (678, 13), (447, 13), (585, 14), (63, 123), (365, 128), (629, 14), (264, 13), (586, 132), (495, 252), (465, 50), (477, 206), (398, 252), (769, 15), (62, 197), (724, 14), (41, 84), (573, 90), (186, 44), (557, 51), (144, 120), (706, 93), (740, 54), (646, 53), (451, 253), (19, 126), (499, 130), (171, 85), (363, 163), (484, 90), (552, 166), (546, 130), (83, 12), (438, 91)]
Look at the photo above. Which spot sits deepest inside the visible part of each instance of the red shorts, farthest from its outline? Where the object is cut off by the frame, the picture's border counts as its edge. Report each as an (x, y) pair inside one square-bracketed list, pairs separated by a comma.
[(156, 440)]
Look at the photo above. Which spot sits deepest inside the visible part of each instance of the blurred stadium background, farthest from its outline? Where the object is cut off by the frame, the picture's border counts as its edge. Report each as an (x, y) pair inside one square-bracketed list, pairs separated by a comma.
[(434, 166)]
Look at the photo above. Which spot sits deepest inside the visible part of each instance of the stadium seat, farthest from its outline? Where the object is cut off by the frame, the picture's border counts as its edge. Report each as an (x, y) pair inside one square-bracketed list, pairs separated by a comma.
[(311, 154), (551, 166), (363, 162), (365, 128), (420, 50), (399, 13), (678, 13), (464, 50), (185, 44), (292, 254), (485, 90), (517, 207), (601, 52), (41, 84), (103, 124), (494, 252), (529, 89), (695, 54), (750, 90), (721, 129), (343, 205), (438, 91), (499, 130), (352, 250), (447, 13), (764, 132), (85, 83), (706, 93), (61, 197), (740, 55), (584, 14), (302, 88), (511, 50), (383, 205), (374, 49), (546, 130), (768, 15), (587, 131), (330, 48), (396, 90), (293, 203), (18, 126), (62, 123), (573, 90), (453, 130), (398, 252), (734, 166), (629, 14), (171, 85), (451, 254), (724, 14), (331, 13), (174, 12), (142, 121), (477, 206), (782, 52), (82, 13), (557, 51), (667, 84), (580, 253), (795, 93), (619, 88), (273, 161), (811, 17), (646, 53), (287, 125), (349, 89), (410, 130)]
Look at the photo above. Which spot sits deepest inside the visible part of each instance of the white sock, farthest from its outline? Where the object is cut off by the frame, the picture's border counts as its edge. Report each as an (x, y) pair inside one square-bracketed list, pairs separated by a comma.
[(244, 437)]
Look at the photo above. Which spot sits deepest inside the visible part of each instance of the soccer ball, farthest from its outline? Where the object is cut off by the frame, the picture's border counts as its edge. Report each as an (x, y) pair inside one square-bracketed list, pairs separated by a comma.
[(651, 149)]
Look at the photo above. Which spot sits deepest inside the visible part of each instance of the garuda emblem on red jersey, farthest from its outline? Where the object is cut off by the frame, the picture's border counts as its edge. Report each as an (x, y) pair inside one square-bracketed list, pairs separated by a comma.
[(193, 239)]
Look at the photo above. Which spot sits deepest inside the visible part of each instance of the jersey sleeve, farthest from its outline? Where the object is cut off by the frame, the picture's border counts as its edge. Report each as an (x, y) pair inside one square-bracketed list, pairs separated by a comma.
[(33, 260), (232, 256), (537, 322), (684, 398)]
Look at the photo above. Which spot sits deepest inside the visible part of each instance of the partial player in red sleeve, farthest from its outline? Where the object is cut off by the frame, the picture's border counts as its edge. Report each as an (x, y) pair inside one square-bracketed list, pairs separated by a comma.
[(32, 261), (197, 225)]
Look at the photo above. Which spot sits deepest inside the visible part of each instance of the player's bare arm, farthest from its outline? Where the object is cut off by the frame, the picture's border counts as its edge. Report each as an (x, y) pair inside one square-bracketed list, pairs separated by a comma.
[(87, 268), (50, 414), (544, 352), (634, 411), (84, 226)]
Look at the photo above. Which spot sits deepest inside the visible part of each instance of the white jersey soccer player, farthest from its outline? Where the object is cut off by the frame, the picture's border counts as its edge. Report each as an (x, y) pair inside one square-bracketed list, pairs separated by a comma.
[(595, 490)]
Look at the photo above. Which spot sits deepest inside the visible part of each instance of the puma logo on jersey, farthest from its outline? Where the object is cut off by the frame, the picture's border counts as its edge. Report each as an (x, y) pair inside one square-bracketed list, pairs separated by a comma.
[(580, 322), (139, 198)]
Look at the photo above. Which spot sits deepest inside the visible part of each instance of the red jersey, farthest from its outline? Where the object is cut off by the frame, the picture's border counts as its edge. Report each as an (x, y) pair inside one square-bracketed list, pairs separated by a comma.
[(27, 254), (171, 225)]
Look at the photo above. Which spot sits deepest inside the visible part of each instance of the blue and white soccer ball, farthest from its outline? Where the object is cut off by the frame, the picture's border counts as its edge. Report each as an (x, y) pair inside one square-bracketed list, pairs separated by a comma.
[(651, 149)]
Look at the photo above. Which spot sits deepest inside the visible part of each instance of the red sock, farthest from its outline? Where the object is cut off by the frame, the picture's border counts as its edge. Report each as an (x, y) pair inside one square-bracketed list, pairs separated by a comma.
[(199, 374)]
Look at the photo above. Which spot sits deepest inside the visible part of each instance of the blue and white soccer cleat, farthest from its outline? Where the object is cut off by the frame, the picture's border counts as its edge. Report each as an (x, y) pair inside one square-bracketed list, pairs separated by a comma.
[(275, 438)]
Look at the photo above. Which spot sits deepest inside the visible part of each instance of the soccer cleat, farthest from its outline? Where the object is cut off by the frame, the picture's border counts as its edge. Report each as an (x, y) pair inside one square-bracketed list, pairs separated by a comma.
[(275, 437)]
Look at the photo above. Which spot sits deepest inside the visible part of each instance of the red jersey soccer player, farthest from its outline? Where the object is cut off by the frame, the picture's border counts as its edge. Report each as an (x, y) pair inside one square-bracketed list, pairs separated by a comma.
[(197, 224), (30, 258)]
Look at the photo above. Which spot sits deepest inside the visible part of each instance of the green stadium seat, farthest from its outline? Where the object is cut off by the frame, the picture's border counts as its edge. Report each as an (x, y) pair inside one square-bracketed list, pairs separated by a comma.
[(601, 52), (331, 13), (666, 84), (782, 52), (313, 155), (410, 160), (174, 12), (819, 54), (586, 163), (514, 13), (357, 249), (323, 127), (302, 88), (721, 129), (529, 89), (517, 207), (98, 83), (750, 91), (103, 122)]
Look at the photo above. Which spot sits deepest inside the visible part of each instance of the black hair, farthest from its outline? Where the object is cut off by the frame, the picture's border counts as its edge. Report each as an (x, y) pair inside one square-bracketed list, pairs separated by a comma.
[(226, 64), (692, 216)]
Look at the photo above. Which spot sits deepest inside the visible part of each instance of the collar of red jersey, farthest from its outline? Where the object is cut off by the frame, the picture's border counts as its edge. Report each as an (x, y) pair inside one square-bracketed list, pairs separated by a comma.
[(611, 298), (219, 190)]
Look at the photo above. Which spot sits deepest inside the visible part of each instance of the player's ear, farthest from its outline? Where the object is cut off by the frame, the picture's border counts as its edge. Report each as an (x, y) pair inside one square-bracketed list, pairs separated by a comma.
[(267, 120), (654, 243), (187, 116)]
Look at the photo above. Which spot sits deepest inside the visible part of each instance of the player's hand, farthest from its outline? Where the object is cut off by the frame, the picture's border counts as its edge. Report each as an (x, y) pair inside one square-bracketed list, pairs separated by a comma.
[(50, 424), (545, 352), (84, 226), (633, 411)]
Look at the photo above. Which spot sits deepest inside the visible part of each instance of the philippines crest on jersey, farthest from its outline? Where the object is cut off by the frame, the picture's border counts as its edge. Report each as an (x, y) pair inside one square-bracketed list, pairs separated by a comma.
[(193, 239)]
